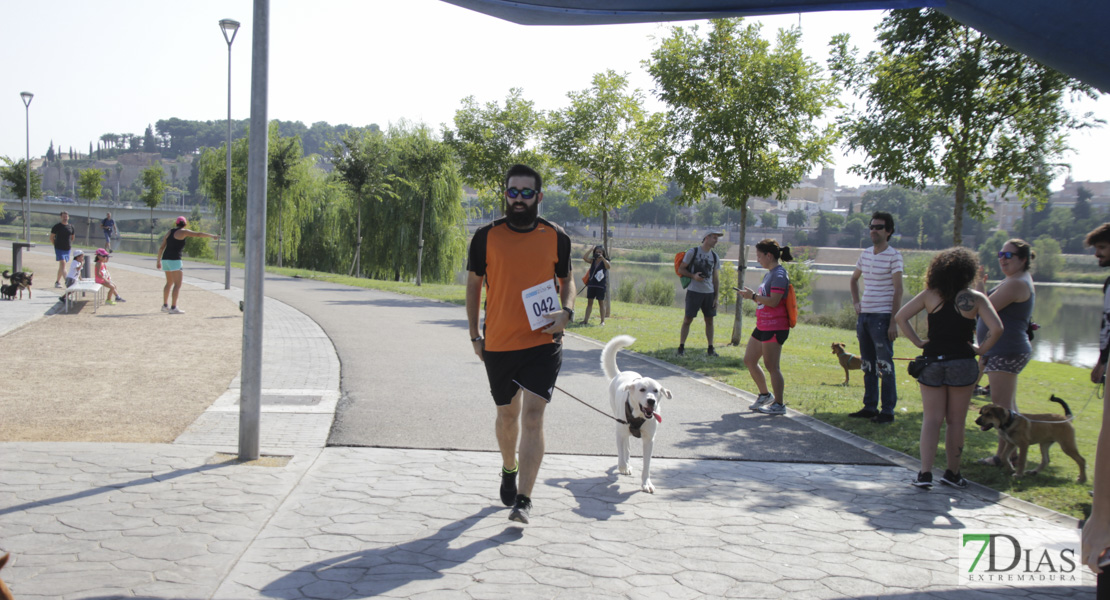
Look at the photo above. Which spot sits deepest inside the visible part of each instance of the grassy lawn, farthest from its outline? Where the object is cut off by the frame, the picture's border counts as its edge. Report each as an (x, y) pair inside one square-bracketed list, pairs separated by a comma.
[(813, 378)]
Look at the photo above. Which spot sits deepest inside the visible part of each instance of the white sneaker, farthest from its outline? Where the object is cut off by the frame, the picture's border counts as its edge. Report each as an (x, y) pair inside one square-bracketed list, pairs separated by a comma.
[(176, 311), (165, 308), (761, 400)]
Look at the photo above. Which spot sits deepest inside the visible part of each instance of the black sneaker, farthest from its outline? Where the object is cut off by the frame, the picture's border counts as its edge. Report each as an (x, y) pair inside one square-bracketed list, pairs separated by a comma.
[(521, 509), (923, 480), (711, 352), (882, 419), (508, 486), (865, 413), (681, 351), (953, 479)]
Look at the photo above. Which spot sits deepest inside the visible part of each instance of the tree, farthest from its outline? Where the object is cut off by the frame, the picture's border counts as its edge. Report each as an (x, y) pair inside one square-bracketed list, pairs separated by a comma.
[(154, 186), (50, 152), (1049, 258), (768, 220), (797, 218), (946, 104), (90, 182), (284, 155), (988, 253), (490, 139), (743, 119), (363, 162), (607, 148), (149, 145), (1081, 210), (429, 201), (15, 175)]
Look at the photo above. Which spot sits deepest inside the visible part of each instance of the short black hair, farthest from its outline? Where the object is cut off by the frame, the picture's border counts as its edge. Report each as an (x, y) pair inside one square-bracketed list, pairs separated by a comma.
[(887, 219), (519, 170), (1098, 234)]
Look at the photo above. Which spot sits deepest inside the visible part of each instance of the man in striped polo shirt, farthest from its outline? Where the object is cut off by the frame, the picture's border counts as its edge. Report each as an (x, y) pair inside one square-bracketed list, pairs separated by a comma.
[(881, 268)]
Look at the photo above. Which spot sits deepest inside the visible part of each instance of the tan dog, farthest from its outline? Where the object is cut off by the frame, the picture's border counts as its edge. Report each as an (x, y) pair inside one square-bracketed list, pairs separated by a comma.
[(847, 361), (1019, 431), (5, 593)]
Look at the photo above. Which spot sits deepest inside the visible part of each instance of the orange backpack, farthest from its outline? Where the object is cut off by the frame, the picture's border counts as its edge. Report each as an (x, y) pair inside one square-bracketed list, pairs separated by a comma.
[(678, 263), (791, 306)]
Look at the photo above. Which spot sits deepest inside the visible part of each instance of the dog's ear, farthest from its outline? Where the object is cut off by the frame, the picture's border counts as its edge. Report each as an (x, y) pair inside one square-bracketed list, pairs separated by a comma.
[(631, 385), (666, 392)]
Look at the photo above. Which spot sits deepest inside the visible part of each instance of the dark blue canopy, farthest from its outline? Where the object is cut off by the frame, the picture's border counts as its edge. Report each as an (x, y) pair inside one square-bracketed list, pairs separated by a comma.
[(1068, 35)]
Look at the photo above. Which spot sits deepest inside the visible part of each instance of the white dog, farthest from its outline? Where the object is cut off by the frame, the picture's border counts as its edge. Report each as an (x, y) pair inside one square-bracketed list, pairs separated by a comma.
[(635, 401)]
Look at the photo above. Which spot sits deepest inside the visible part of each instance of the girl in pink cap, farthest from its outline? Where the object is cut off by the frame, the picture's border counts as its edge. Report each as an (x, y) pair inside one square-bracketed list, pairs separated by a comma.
[(100, 270)]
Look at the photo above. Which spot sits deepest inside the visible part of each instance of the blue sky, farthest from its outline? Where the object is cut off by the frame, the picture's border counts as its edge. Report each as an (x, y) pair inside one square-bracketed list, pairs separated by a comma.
[(115, 66)]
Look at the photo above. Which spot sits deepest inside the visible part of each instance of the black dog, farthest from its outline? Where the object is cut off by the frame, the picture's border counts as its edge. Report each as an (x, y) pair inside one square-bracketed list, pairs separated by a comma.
[(7, 292), (21, 281)]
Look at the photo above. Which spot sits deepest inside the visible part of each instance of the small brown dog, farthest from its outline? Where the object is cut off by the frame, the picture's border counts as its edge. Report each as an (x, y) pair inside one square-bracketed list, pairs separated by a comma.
[(1019, 431), (847, 361), (5, 593)]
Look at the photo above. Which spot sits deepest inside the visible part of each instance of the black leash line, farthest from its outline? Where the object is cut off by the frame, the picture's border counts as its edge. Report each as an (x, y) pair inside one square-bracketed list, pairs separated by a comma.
[(591, 407)]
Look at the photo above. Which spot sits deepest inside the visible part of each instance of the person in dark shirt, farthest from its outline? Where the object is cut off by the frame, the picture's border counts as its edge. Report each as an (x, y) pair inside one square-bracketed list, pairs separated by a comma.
[(108, 224), (1096, 531), (62, 236), (169, 261)]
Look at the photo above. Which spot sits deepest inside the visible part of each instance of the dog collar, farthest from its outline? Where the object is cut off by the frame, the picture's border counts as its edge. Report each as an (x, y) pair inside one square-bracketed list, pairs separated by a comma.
[(1010, 421)]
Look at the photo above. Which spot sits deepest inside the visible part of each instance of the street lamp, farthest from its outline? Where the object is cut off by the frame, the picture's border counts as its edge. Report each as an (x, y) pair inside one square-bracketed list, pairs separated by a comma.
[(229, 28), (27, 207)]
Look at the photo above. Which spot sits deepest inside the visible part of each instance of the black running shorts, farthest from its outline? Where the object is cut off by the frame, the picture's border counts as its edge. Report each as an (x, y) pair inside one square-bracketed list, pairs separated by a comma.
[(533, 369)]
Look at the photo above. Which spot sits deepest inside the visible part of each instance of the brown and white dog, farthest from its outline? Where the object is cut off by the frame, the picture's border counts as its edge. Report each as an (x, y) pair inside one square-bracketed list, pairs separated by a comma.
[(847, 361), (635, 401), (1019, 431), (5, 593)]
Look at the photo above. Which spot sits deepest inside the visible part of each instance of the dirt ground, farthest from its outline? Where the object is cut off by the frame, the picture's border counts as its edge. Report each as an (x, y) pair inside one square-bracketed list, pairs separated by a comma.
[(129, 373)]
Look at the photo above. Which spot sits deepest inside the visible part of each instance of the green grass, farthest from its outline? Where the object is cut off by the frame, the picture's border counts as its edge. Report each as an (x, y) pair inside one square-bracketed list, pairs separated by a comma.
[(813, 378)]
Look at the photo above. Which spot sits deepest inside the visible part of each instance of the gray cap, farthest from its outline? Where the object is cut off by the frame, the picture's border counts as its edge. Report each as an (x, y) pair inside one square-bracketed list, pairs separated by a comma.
[(718, 231)]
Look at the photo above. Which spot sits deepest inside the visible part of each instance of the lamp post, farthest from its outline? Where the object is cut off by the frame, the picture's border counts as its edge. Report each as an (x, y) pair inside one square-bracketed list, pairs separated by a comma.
[(229, 28), (27, 206)]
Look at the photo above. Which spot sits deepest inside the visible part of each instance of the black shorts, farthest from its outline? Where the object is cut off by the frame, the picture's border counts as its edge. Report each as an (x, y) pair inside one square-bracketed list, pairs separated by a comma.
[(702, 301), (533, 369), (765, 336), (595, 293)]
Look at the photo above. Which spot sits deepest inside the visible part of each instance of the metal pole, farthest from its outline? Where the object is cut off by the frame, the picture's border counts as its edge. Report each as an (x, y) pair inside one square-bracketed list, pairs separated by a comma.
[(27, 96), (225, 26), (250, 394)]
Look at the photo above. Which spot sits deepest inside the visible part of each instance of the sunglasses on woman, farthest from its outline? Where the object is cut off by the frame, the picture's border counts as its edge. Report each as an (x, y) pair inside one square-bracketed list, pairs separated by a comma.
[(1007, 254), (526, 193)]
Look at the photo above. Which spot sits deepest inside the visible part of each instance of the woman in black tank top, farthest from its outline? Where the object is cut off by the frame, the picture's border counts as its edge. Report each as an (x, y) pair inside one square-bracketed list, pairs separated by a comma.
[(168, 260), (947, 381)]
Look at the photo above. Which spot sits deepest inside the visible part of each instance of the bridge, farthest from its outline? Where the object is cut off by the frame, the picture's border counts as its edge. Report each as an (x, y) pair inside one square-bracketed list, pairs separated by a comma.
[(120, 212)]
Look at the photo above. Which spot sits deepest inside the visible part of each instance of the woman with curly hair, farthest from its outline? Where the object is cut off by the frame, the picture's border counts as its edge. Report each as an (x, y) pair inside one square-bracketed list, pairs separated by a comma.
[(772, 326), (950, 349), (1013, 298)]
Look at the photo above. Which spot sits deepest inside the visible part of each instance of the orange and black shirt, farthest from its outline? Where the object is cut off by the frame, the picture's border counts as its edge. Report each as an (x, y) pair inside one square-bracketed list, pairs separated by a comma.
[(511, 261)]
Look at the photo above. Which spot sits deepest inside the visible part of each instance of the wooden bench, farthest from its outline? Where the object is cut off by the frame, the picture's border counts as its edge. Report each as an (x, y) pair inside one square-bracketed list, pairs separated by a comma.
[(83, 287)]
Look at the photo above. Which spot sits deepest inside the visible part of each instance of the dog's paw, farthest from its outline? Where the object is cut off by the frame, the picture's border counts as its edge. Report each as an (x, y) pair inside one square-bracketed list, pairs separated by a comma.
[(647, 487), (624, 470)]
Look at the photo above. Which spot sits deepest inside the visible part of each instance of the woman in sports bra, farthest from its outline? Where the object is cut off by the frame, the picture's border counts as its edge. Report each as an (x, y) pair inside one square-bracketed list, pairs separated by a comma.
[(949, 378)]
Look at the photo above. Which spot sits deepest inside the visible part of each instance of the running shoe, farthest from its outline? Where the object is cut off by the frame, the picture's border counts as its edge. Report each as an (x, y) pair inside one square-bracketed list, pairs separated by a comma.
[(711, 352), (165, 308), (772, 409), (760, 400), (924, 480), (521, 509), (864, 413), (953, 479), (176, 311), (118, 299), (57, 285)]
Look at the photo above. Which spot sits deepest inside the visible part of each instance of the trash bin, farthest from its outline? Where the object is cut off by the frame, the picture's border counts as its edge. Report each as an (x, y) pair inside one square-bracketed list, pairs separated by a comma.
[(17, 255)]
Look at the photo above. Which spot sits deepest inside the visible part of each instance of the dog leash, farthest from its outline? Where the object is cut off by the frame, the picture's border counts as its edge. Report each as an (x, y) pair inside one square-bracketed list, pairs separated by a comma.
[(591, 407)]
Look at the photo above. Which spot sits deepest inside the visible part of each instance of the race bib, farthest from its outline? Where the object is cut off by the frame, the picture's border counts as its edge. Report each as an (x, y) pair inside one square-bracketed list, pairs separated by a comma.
[(600, 275), (538, 301)]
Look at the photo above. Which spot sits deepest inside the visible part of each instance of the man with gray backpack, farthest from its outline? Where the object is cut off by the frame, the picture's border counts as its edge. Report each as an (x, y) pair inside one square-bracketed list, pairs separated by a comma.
[(701, 265)]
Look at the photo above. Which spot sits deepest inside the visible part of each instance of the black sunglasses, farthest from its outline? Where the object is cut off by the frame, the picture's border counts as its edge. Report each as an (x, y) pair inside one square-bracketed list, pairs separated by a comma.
[(1007, 254), (876, 227), (526, 193)]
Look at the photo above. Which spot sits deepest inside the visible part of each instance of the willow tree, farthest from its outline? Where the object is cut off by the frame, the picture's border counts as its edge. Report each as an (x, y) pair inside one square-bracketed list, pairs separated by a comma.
[(946, 104), (743, 118), (607, 148), (363, 161)]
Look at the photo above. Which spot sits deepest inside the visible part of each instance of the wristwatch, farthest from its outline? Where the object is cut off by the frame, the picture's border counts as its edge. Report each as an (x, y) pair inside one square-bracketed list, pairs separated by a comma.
[(570, 312), (477, 339)]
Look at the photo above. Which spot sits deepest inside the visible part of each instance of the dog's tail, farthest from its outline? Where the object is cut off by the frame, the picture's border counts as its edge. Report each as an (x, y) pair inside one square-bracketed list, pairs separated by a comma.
[(1067, 411), (7, 274), (609, 354)]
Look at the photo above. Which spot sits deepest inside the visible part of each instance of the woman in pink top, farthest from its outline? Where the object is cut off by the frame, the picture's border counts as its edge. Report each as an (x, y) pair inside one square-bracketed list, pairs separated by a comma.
[(772, 326), (103, 278)]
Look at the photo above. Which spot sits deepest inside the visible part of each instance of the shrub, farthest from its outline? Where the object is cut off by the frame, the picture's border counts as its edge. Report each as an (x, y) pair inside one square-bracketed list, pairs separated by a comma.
[(626, 292), (658, 292)]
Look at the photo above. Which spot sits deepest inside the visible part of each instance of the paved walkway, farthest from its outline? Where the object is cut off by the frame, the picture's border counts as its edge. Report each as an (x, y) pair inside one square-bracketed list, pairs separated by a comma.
[(184, 520)]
